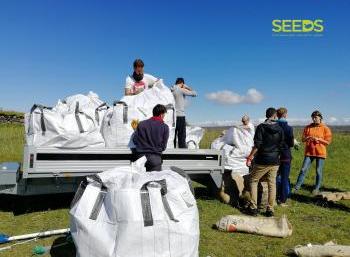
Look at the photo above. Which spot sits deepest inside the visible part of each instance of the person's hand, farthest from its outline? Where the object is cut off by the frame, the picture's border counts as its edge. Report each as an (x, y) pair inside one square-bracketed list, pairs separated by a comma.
[(317, 140), (309, 138), (249, 161)]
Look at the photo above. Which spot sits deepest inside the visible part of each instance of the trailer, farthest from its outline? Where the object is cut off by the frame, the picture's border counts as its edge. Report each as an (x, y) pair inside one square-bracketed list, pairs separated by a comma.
[(48, 170)]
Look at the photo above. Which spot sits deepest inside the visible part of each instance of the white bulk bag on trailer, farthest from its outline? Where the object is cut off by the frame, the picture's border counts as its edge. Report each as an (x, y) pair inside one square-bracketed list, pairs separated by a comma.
[(193, 137), (89, 104), (58, 127), (116, 126), (42, 124), (125, 212)]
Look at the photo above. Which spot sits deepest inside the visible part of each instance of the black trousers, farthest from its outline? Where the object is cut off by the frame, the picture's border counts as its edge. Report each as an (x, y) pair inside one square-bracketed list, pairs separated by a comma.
[(180, 132), (153, 163)]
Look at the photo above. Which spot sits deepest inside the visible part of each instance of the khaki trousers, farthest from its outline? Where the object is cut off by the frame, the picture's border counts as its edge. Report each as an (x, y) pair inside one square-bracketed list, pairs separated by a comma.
[(258, 173)]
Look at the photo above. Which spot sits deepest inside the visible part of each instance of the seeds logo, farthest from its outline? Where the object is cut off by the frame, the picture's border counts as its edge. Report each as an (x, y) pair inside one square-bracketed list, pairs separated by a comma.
[(297, 26)]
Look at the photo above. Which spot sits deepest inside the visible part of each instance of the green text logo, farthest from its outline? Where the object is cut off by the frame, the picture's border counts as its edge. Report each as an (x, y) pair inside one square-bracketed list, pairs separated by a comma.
[(297, 26)]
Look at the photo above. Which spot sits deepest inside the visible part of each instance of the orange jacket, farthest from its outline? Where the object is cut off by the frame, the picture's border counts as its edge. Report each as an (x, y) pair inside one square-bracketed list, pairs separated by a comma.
[(317, 149)]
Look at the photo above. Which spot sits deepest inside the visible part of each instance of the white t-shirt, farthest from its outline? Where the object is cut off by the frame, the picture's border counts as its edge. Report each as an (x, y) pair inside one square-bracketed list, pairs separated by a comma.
[(147, 81)]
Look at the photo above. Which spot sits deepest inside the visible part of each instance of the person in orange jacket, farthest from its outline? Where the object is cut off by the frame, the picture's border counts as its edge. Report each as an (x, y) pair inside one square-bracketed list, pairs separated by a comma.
[(316, 136)]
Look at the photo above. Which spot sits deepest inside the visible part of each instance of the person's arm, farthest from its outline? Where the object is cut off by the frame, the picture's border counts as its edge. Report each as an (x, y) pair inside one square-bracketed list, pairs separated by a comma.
[(136, 136), (305, 136), (165, 138), (281, 139), (128, 91), (188, 92), (187, 87), (258, 140), (252, 153), (327, 137), (290, 138), (151, 80)]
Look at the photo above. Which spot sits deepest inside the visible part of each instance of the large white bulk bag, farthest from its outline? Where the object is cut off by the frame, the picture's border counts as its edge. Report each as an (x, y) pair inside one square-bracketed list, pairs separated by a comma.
[(89, 104), (230, 136), (58, 127), (42, 124), (193, 137), (237, 144), (89, 101), (116, 125), (128, 213)]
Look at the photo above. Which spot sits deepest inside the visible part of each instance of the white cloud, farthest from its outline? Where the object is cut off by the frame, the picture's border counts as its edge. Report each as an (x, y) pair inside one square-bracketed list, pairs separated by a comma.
[(228, 97)]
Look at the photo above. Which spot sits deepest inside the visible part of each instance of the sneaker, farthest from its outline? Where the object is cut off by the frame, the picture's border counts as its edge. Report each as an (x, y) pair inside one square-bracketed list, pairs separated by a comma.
[(315, 192), (283, 204), (269, 213)]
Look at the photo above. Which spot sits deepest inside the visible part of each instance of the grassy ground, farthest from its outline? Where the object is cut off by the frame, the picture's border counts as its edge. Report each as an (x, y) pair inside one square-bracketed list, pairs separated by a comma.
[(311, 222)]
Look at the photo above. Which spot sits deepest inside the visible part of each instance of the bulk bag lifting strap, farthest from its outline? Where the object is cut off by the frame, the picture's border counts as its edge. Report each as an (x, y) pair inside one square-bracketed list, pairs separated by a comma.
[(146, 204), (42, 118), (77, 112), (99, 108), (171, 107), (125, 110)]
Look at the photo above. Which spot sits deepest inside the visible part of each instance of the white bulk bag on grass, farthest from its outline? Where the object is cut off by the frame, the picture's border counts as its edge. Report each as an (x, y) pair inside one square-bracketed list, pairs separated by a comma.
[(125, 212), (193, 137), (116, 126)]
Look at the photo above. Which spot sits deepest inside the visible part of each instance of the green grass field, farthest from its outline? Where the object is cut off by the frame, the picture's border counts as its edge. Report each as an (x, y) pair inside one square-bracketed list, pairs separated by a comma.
[(311, 222)]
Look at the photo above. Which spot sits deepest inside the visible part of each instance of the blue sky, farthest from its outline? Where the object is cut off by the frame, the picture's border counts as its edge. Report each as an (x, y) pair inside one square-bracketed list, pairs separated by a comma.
[(51, 49)]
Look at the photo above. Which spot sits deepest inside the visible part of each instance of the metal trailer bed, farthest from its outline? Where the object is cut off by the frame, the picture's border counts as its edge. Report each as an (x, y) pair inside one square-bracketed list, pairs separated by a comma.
[(47, 170)]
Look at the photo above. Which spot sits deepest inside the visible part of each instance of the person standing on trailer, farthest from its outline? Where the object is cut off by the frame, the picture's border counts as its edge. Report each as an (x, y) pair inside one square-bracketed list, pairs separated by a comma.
[(151, 139), (180, 90), (139, 81)]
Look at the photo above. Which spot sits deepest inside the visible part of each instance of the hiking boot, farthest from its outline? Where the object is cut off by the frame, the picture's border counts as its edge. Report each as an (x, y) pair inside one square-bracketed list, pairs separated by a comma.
[(269, 213)]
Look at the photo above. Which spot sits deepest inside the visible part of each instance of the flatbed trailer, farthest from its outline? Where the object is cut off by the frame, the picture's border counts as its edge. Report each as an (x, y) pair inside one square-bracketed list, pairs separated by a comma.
[(48, 170)]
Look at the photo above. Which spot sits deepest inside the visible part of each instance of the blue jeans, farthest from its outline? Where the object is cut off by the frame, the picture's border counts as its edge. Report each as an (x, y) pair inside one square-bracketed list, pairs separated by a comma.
[(305, 168), (283, 187)]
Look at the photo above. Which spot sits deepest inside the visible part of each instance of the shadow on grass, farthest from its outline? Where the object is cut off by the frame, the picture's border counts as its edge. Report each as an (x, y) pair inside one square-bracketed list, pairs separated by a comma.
[(61, 248), (319, 202), (26, 204), (328, 189)]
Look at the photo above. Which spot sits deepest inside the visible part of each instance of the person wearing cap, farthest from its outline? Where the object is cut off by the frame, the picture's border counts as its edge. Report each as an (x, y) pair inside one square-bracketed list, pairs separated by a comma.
[(266, 151), (138, 81), (316, 136), (180, 90), (283, 189)]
